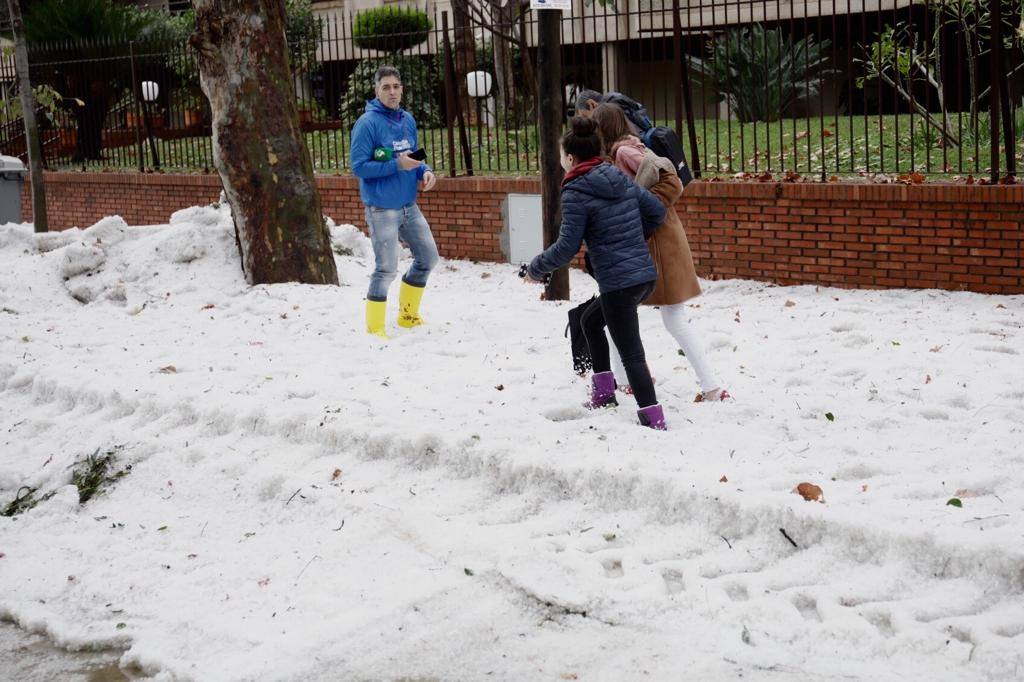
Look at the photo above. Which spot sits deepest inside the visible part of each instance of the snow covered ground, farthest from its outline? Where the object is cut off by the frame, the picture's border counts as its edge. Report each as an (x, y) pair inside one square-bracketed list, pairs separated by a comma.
[(307, 502)]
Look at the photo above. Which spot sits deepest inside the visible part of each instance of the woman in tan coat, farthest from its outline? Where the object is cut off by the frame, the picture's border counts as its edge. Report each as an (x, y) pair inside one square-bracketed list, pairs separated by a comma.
[(677, 277)]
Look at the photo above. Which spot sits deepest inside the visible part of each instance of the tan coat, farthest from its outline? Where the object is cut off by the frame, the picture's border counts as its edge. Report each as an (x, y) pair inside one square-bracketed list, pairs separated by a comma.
[(670, 250)]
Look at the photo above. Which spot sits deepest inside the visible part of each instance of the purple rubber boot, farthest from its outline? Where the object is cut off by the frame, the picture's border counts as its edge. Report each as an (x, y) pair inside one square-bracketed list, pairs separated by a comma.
[(653, 417), (602, 391)]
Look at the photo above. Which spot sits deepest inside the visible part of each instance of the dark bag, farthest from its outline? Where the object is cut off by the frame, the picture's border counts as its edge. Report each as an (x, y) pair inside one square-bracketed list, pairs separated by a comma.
[(581, 360), (664, 142)]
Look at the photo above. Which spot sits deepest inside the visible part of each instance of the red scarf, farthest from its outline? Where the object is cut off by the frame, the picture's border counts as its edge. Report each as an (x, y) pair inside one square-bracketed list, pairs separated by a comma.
[(582, 168)]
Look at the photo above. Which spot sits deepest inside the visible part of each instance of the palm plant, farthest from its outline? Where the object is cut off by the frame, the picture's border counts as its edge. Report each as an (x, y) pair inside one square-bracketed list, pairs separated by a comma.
[(761, 73)]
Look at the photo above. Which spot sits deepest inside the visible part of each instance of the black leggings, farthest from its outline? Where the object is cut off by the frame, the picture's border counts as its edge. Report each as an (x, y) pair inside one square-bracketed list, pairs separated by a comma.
[(617, 310)]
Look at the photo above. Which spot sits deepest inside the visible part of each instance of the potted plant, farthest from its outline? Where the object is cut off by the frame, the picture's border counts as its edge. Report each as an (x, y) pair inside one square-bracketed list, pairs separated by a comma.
[(193, 105), (309, 109)]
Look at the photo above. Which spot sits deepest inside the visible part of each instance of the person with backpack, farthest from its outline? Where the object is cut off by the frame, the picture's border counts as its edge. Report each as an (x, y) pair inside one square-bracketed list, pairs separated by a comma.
[(662, 140), (670, 250), (614, 216)]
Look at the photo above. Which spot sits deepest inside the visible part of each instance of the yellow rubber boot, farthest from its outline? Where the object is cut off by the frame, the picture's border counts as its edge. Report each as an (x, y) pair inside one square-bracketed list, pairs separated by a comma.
[(409, 298), (375, 311)]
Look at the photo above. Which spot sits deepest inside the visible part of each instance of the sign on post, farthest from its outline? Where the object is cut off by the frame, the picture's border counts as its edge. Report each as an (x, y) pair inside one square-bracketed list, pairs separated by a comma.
[(563, 5)]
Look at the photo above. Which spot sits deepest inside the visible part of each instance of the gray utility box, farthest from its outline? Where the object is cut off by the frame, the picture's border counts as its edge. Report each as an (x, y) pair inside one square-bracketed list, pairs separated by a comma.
[(523, 235), (12, 177)]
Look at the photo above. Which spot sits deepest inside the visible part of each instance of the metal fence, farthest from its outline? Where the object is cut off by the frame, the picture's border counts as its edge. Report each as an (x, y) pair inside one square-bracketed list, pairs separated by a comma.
[(820, 89)]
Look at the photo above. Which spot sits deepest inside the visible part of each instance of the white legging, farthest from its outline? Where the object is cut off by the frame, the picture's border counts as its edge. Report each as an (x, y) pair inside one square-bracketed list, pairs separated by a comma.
[(685, 333)]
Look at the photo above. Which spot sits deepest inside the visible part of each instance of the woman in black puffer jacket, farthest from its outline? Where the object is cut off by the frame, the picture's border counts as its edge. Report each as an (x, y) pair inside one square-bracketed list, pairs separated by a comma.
[(614, 216)]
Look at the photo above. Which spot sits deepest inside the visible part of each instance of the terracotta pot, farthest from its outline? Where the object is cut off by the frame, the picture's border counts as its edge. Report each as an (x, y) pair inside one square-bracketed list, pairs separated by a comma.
[(193, 118), (68, 139)]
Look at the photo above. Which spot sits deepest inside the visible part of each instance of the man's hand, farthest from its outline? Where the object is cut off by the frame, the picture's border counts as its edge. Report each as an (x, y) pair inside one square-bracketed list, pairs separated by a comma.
[(406, 163), (428, 182)]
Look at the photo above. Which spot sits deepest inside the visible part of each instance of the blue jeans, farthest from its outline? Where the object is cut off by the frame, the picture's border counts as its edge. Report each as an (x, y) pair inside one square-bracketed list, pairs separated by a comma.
[(387, 226)]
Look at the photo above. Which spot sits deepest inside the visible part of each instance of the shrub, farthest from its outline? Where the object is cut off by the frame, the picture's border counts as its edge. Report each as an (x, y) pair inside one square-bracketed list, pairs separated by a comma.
[(390, 29), (761, 73)]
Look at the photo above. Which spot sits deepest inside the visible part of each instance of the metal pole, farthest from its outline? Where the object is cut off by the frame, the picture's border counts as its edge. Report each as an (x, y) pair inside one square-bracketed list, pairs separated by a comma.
[(135, 92), (550, 117), (684, 71), (449, 94), (996, 62)]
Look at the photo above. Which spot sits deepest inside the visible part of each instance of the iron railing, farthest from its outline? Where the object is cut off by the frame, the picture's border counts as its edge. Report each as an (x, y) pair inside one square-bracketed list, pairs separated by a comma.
[(819, 89)]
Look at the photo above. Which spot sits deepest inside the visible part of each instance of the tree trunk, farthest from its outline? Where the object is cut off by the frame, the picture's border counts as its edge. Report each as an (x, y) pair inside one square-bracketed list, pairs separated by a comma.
[(28, 107), (465, 55), (505, 18), (257, 142)]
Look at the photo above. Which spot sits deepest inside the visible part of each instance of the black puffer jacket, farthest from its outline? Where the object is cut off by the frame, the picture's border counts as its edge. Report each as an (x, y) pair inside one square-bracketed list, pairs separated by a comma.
[(614, 217)]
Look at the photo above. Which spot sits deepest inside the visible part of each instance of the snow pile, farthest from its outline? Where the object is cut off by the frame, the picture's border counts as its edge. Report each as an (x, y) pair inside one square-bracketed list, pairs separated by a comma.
[(291, 498)]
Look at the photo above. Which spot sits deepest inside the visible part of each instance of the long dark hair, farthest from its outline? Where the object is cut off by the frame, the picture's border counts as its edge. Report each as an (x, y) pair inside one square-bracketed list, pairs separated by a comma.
[(582, 140)]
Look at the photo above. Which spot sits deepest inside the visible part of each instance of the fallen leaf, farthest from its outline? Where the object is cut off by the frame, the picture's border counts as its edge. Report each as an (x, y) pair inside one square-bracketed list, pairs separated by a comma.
[(810, 492), (568, 676), (284, 316), (935, 349), (500, 387), (826, 133), (121, 626), (954, 502), (208, 306), (336, 475), (263, 582), (723, 479), (1000, 305), (192, 556), (789, 304), (485, 275), (927, 379), (169, 369), (829, 416), (468, 571), (864, 488), (801, 135)]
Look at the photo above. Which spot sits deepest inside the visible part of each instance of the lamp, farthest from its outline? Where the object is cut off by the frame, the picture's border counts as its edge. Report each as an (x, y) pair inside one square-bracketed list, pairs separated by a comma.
[(150, 91), (478, 83)]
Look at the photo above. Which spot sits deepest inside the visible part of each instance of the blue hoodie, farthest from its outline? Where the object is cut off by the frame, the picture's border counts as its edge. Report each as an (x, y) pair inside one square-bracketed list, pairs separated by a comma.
[(383, 184)]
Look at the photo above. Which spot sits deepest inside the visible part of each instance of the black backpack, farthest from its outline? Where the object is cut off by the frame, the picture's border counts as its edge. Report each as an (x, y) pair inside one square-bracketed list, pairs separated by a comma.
[(661, 140), (664, 142), (581, 360)]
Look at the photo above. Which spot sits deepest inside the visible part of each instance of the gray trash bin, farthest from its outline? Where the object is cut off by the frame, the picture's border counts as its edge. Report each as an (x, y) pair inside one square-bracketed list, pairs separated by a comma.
[(12, 177)]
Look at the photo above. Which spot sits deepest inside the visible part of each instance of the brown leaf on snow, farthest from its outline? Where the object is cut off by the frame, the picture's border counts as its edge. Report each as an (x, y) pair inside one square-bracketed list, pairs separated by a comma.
[(336, 475), (864, 488), (1000, 305), (500, 387), (935, 349), (208, 306), (263, 582), (789, 304), (723, 479), (485, 275), (967, 492), (169, 369), (568, 676), (927, 378), (810, 492)]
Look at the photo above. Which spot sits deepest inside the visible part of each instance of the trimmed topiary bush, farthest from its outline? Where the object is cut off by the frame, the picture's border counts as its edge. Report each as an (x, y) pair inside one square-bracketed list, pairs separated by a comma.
[(390, 29)]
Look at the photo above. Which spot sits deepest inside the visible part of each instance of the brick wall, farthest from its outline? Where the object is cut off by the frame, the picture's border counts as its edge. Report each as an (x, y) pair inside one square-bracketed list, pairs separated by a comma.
[(847, 235)]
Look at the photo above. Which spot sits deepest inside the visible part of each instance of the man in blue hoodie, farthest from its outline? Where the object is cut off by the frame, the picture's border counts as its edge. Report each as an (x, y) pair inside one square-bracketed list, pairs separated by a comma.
[(389, 180)]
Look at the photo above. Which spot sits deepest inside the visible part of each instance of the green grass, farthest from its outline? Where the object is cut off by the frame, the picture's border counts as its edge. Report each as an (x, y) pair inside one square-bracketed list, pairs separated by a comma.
[(840, 146)]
